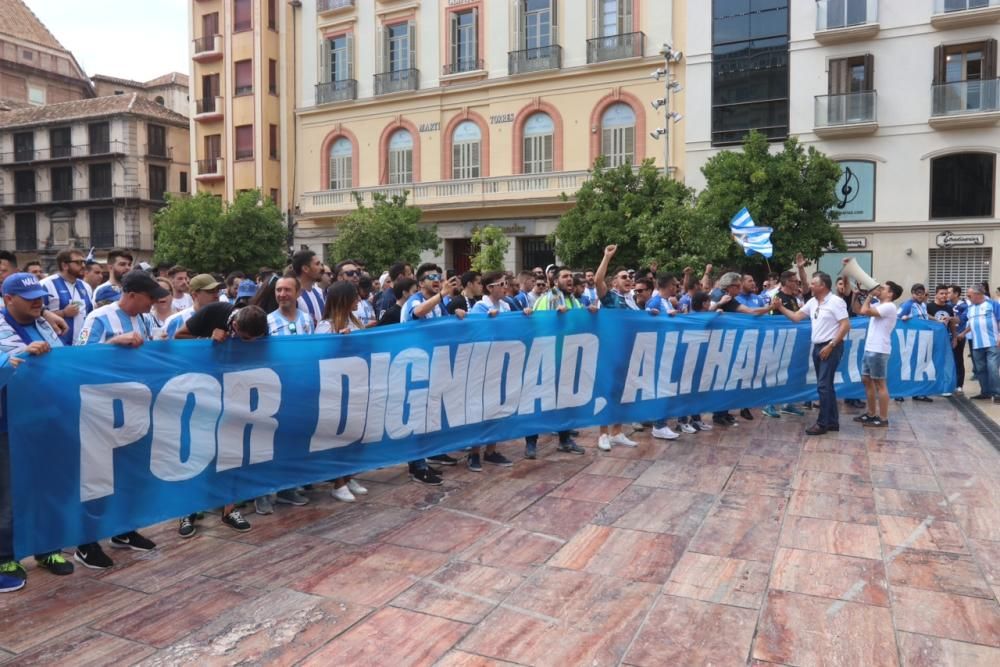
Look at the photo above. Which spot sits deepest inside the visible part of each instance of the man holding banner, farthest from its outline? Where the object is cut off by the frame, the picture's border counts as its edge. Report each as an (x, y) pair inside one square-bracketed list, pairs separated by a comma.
[(830, 325)]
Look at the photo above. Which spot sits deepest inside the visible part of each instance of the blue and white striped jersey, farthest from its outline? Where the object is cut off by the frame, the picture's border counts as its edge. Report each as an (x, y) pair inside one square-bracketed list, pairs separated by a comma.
[(109, 321), (982, 325), (12, 342), (177, 320), (365, 313), (312, 301), (279, 325)]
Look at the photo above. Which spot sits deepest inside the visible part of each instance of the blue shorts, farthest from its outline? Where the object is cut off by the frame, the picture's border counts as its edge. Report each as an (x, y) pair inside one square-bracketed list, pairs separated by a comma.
[(874, 364)]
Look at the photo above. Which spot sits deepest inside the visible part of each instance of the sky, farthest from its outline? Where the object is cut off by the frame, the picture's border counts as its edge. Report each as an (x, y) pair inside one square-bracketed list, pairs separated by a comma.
[(129, 39)]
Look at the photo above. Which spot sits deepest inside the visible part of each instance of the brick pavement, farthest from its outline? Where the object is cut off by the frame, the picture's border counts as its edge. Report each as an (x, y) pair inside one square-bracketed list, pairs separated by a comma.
[(752, 545)]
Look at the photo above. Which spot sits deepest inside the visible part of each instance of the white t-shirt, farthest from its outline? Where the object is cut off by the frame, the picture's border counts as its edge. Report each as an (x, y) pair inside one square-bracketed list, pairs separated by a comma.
[(325, 327), (184, 301), (879, 338), (825, 317)]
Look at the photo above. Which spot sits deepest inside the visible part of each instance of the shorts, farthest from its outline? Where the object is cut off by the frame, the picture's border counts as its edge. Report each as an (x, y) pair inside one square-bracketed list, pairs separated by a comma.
[(874, 364)]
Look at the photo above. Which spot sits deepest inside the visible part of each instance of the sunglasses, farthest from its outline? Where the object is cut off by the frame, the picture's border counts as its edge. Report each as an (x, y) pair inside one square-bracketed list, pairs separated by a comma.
[(350, 274), (502, 283), (432, 276)]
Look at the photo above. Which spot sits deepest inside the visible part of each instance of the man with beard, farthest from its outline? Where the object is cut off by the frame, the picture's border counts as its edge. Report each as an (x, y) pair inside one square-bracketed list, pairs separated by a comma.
[(119, 263), (69, 296), (308, 268)]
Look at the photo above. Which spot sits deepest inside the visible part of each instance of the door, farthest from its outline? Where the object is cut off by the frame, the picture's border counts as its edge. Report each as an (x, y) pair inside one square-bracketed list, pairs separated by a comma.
[(851, 85), (210, 24)]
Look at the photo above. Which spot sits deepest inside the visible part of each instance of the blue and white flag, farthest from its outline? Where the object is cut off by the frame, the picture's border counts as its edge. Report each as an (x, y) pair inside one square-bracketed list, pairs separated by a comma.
[(754, 239), (90, 256)]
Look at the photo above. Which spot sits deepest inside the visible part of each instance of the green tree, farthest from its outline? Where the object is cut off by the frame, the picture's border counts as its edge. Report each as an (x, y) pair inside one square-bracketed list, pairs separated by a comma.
[(791, 191), (490, 245), (615, 205), (679, 236), (206, 236), (387, 232)]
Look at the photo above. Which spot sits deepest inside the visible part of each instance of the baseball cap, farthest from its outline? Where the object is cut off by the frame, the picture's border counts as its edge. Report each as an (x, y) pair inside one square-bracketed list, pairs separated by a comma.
[(247, 288), (24, 285), (107, 293), (204, 282), (140, 282)]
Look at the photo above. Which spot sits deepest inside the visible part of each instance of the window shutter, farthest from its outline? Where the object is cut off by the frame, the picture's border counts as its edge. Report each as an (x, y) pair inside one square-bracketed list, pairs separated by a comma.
[(349, 42), (594, 7), (324, 61), (607, 143), (381, 51), (453, 36), (474, 160), (547, 153), (939, 64), (527, 158), (838, 68), (624, 16), (475, 37), (412, 40), (869, 84), (554, 4), (628, 144), (517, 26), (989, 59)]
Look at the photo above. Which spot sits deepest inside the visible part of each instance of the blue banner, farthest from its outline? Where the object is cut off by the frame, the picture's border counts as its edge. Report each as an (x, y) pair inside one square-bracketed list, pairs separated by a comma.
[(106, 439)]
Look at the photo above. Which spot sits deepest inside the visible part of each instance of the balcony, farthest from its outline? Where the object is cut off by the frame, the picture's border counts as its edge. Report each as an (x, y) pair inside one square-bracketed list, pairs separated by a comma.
[(208, 109), (131, 241), (397, 81), (462, 66), (207, 48), (616, 47), (534, 60), (159, 152), (336, 91), (64, 196), (965, 104), (478, 193), (839, 21), (56, 153), (329, 6), (210, 169), (962, 13), (849, 115)]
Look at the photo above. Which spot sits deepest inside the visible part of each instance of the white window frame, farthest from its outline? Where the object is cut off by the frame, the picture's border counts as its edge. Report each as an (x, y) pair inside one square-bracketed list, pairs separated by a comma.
[(341, 159), (618, 135), (400, 157), (539, 144), (466, 151)]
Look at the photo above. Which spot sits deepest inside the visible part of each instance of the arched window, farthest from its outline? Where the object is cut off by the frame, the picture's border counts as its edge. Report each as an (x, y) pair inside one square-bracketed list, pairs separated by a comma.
[(159, 100), (400, 157), (466, 150), (341, 168), (539, 133), (618, 134)]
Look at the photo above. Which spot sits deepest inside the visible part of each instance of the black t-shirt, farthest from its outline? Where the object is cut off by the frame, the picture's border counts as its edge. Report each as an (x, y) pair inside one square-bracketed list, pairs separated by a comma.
[(208, 319), (731, 306), (391, 315), (940, 313), (460, 301), (789, 301)]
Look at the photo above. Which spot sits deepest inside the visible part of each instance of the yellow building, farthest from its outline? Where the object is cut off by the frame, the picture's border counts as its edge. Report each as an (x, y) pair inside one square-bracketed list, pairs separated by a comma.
[(239, 107), (485, 111)]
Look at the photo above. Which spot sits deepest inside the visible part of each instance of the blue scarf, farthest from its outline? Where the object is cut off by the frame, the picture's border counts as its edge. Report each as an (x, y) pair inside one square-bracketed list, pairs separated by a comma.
[(62, 289), (18, 328)]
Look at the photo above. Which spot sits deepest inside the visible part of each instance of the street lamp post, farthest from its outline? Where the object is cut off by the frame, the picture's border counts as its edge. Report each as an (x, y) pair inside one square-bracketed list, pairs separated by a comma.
[(671, 86)]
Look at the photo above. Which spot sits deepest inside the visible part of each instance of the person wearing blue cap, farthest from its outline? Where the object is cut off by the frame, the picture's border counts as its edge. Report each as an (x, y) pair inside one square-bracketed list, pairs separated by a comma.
[(247, 290), (106, 294), (23, 332)]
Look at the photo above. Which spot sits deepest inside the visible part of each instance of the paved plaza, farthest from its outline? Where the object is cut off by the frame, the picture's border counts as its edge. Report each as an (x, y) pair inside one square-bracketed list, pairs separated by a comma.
[(752, 545)]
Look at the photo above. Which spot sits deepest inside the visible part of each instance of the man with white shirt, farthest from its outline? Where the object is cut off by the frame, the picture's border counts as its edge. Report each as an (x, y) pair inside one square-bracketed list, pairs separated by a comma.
[(203, 290), (119, 263), (308, 268), (827, 313), (878, 348), (69, 296), (181, 283)]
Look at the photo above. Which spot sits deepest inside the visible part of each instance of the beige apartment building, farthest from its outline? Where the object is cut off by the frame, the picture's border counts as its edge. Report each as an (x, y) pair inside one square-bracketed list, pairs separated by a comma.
[(240, 111), (485, 111)]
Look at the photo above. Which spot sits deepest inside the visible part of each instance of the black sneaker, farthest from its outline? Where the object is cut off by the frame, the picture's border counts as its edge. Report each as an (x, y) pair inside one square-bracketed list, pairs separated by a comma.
[(926, 399), (746, 414), (474, 463), (864, 418), (426, 476), (570, 447), (186, 527), (498, 459), (877, 422), (236, 521), (93, 556), (981, 397), (444, 460), (720, 420), (134, 541), (55, 563), (13, 568)]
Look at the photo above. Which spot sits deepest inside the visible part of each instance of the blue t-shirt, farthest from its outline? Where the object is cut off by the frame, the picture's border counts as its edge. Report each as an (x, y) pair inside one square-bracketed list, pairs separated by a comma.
[(613, 299), (657, 302), (278, 325), (415, 300), (913, 310), (751, 300)]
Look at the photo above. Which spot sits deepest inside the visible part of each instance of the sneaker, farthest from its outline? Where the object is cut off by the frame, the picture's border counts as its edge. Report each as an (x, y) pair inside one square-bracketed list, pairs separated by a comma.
[(263, 505), (816, 429), (604, 442), (498, 459), (531, 451), (55, 563), (291, 497), (443, 459), (877, 422), (898, 400), (9, 584), (746, 414), (687, 428), (666, 433), (863, 418), (356, 488), (622, 439), (810, 405), (93, 556), (701, 426), (473, 463), (770, 411), (946, 394), (792, 410), (343, 494), (426, 476), (926, 399), (185, 527), (13, 568), (981, 397), (236, 521), (731, 419), (638, 426), (570, 447), (132, 540), (720, 420)]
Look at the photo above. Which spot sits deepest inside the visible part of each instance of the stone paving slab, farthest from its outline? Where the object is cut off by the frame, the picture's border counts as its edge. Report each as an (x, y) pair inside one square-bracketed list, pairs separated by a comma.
[(753, 545)]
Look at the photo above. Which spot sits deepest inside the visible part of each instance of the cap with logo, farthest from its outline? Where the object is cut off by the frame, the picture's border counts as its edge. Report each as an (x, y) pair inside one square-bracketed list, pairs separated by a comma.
[(140, 282), (107, 294), (24, 285), (247, 288), (204, 282)]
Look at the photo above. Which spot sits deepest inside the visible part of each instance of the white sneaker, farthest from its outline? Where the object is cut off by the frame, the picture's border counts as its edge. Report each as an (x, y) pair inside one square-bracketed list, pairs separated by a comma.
[(343, 494), (356, 487), (666, 433), (622, 439), (687, 428), (604, 442), (638, 426)]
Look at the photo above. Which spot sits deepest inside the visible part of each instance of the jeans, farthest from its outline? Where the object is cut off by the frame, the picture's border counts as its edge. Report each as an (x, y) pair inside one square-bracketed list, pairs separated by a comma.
[(826, 370), (6, 515), (987, 363), (959, 351)]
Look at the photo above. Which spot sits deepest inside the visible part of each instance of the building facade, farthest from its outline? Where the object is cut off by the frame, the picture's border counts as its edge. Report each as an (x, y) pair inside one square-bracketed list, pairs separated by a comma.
[(240, 110), (904, 95), (88, 173), (170, 90), (484, 111)]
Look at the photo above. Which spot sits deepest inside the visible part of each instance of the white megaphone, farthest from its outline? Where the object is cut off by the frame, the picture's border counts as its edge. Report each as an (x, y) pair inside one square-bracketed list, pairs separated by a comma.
[(854, 271)]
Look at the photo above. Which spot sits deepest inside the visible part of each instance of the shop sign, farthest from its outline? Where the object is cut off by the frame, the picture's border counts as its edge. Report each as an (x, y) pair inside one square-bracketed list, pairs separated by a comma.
[(951, 240), (856, 242)]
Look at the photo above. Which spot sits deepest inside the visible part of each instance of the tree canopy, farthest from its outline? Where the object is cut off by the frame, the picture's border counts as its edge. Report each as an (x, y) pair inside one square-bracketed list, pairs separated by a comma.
[(490, 245), (204, 235)]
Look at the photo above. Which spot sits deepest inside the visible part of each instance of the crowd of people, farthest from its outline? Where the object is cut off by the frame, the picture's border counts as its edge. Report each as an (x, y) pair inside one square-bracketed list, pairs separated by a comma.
[(86, 302)]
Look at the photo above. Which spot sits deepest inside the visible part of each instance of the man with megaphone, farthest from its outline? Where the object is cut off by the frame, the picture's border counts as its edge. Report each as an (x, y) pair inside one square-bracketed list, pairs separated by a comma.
[(878, 348)]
